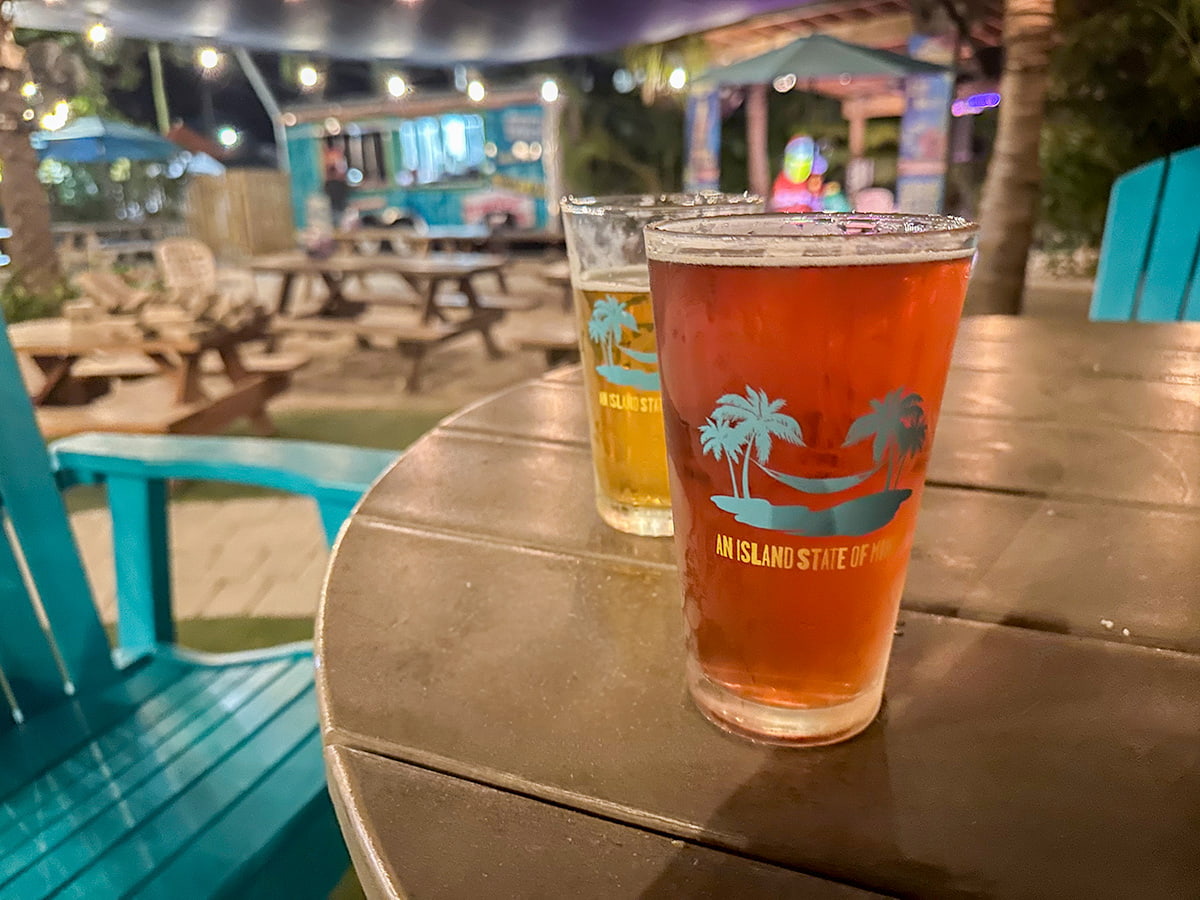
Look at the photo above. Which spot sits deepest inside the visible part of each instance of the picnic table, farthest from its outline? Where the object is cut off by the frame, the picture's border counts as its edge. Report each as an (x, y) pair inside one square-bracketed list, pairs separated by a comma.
[(501, 675), (177, 398), (426, 275), (461, 238)]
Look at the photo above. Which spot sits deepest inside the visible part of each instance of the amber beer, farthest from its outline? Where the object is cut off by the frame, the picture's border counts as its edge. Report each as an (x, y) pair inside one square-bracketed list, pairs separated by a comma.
[(802, 373), (626, 419), (616, 336)]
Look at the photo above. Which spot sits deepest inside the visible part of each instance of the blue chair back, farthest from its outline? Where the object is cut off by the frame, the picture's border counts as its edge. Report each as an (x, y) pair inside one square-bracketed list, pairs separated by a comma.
[(1147, 270), (51, 640)]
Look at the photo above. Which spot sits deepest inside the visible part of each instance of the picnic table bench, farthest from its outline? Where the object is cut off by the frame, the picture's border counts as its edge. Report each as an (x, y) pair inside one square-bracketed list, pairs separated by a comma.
[(75, 392)]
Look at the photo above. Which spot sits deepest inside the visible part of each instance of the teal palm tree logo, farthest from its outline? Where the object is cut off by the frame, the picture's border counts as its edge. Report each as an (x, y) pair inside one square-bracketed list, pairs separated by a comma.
[(609, 321), (610, 318), (753, 421), (742, 429), (897, 424)]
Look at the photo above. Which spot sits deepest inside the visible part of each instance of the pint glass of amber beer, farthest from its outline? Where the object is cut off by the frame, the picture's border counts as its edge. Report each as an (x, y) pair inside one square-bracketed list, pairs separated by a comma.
[(803, 359), (616, 336)]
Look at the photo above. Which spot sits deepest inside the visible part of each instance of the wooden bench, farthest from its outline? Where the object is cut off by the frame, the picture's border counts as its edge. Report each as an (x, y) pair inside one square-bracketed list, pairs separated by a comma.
[(458, 300), (559, 343), (147, 406), (413, 339), (1147, 270)]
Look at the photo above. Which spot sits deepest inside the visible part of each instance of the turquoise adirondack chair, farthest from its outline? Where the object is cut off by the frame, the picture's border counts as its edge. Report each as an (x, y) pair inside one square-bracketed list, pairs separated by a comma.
[(1148, 257), (149, 770)]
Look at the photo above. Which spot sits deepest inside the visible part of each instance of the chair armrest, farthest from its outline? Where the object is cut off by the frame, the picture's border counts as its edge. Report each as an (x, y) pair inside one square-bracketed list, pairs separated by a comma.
[(333, 472), (135, 470)]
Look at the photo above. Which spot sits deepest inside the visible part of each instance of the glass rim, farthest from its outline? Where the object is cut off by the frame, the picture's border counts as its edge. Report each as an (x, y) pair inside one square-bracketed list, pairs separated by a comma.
[(653, 204), (778, 238)]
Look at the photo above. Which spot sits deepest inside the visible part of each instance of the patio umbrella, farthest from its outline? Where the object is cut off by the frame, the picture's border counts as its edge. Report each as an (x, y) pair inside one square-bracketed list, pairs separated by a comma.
[(92, 139), (815, 56)]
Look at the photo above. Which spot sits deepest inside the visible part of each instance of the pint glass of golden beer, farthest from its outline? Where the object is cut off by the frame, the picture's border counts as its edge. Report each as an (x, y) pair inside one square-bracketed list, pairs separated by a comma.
[(616, 337), (803, 360)]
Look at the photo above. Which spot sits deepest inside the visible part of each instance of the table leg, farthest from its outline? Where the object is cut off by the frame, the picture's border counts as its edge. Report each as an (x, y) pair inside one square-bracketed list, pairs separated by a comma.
[(432, 310), (187, 379), (284, 305), (58, 386), (336, 301), (235, 371)]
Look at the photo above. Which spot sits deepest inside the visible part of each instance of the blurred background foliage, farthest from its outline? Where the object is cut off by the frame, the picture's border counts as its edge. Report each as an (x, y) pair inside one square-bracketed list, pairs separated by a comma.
[(1124, 89)]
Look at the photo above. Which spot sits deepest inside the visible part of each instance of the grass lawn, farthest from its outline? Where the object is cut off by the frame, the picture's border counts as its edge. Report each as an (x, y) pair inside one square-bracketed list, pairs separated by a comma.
[(384, 429)]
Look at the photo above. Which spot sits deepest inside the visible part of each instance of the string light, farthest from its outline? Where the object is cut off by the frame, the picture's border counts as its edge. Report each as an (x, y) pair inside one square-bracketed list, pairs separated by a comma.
[(549, 90), (396, 85), (476, 91), (52, 121), (228, 136), (208, 58), (308, 76), (29, 90), (677, 79), (97, 34)]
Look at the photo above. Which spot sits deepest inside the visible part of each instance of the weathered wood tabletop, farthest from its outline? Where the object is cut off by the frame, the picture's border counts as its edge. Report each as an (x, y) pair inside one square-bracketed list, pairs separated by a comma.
[(502, 688)]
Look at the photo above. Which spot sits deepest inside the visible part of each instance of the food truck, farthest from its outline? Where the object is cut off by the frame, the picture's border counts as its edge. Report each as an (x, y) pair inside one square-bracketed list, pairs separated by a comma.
[(433, 159)]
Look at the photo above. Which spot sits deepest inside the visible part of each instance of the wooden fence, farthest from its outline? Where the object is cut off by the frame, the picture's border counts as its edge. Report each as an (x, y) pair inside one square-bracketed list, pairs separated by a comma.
[(243, 213)]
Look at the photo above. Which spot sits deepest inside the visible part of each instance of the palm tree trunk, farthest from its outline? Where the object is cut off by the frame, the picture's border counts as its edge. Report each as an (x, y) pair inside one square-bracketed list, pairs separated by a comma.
[(732, 476), (758, 166), (746, 474), (1012, 189), (888, 483), (26, 206)]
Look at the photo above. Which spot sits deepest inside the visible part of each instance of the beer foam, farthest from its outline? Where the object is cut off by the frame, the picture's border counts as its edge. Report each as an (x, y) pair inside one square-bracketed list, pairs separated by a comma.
[(627, 279), (811, 240), (810, 260)]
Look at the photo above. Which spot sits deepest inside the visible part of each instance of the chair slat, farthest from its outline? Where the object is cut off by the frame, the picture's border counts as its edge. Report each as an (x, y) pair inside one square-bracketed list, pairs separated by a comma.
[(166, 723), (204, 863), (1173, 252), (39, 745), (1128, 230), (31, 496), (157, 820), (26, 658)]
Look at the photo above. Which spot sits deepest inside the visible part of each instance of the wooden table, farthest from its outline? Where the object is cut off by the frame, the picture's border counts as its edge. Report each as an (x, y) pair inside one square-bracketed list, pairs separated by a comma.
[(175, 400), (461, 238), (501, 675), (425, 274)]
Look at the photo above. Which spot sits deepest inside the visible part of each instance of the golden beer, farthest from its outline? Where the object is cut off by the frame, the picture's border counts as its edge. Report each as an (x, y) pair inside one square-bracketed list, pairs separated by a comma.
[(620, 366), (611, 283)]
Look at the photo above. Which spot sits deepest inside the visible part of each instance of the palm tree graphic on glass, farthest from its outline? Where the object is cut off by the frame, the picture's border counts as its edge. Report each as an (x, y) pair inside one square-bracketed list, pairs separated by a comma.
[(896, 423), (606, 327), (744, 426)]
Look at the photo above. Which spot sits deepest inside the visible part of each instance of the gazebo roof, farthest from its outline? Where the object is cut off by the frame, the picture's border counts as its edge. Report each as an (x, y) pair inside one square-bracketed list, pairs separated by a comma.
[(428, 32)]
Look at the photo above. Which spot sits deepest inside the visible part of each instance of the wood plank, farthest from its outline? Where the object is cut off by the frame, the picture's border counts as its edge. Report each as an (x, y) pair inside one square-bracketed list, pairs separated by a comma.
[(1097, 401), (1051, 459), (162, 835), (104, 768), (1082, 753), (147, 407), (1128, 230), (264, 817), (445, 837), (83, 841)]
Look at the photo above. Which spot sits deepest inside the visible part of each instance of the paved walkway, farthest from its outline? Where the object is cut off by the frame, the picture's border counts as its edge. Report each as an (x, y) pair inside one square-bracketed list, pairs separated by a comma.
[(267, 557)]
